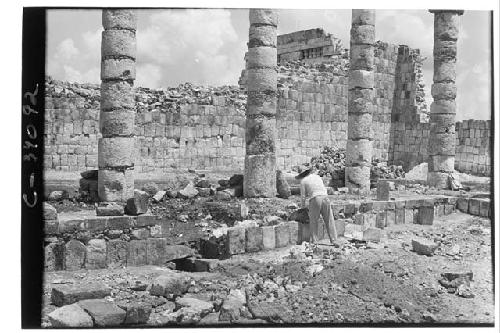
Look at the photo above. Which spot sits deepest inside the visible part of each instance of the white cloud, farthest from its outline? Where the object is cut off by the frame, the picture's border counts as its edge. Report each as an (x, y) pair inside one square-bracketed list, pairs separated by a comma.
[(192, 45), (66, 50), (74, 75), (148, 76)]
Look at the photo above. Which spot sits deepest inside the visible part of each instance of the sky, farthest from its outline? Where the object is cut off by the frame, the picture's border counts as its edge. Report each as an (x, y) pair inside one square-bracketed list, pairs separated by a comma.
[(207, 46)]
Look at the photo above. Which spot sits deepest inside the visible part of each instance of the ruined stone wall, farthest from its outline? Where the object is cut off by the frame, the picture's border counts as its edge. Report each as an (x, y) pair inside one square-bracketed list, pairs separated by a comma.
[(472, 154)]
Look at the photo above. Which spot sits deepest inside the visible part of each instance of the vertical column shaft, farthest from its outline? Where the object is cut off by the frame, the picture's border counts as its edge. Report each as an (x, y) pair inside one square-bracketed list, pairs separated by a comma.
[(117, 116), (260, 134), (441, 161), (360, 101)]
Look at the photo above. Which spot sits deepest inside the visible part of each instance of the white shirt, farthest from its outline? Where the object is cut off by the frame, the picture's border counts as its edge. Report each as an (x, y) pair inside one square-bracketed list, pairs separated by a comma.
[(310, 187)]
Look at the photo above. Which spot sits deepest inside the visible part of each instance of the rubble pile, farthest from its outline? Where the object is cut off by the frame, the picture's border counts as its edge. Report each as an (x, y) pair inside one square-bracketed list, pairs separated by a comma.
[(331, 163), (327, 72)]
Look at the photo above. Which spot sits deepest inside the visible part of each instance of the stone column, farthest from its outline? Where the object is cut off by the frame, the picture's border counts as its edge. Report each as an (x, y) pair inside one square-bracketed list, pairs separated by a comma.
[(117, 117), (441, 161), (260, 134), (360, 102)]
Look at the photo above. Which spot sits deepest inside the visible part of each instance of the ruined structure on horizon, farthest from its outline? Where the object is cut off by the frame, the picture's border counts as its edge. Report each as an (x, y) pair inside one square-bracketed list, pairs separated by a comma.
[(204, 127)]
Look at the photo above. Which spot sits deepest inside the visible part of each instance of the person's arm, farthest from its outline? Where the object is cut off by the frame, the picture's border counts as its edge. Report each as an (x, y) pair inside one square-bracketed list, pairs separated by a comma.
[(303, 194)]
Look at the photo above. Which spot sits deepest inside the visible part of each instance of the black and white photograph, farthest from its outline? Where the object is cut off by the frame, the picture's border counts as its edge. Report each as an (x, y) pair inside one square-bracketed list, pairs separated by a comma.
[(264, 166)]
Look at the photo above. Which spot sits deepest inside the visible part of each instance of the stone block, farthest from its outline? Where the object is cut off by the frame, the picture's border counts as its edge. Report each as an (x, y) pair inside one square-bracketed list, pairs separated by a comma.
[(70, 316), (383, 193), (264, 17), (120, 222), (293, 227), (390, 218), (138, 234), (109, 209), (360, 101), (444, 90), (96, 224), (51, 227), (360, 79), (363, 34), (380, 220), (188, 192), (408, 216), (75, 255), (103, 312), (443, 106), (136, 312), (362, 57), (282, 235), (260, 176), (262, 79), (72, 225), (155, 250), (360, 126), (372, 235), (116, 152), (260, 136), (116, 185), (423, 246), (96, 254), (353, 231), (474, 206), (170, 283), (262, 35), (363, 17), (64, 294), (358, 177), (138, 204), (253, 239), (448, 209), (137, 253), (119, 19), (445, 71), (54, 257), (146, 220), (118, 43), (340, 226), (268, 237), (484, 208), (262, 104), (426, 215), (261, 57), (235, 240), (117, 69), (117, 250), (400, 216), (117, 123), (439, 210), (117, 95), (49, 212)]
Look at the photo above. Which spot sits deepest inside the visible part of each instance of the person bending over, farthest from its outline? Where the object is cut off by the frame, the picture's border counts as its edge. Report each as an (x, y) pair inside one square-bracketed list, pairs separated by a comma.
[(313, 194)]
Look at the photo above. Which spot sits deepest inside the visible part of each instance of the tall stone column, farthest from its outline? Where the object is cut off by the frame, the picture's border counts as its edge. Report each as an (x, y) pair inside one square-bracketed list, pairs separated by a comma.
[(117, 117), (360, 101), (441, 161), (260, 134)]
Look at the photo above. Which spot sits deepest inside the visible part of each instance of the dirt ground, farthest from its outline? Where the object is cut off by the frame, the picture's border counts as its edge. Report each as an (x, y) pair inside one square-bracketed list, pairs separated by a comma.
[(358, 283)]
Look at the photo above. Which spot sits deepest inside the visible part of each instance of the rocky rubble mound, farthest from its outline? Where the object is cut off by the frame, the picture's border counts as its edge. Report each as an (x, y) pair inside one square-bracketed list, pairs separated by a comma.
[(294, 71), (331, 163)]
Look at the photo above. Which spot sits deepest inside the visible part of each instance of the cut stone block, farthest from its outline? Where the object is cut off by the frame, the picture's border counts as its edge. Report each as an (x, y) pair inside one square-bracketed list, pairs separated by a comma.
[(69, 226), (484, 207), (118, 43), (64, 294), (268, 237), (138, 204), (116, 185), (136, 312), (109, 209), (390, 218), (363, 17), (400, 216), (262, 79), (137, 253), (363, 34), (120, 222), (119, 19), (254, 240), (188, 192), (260, 136), (96, 254), (117, 123), (75, 255), (424, 246), (380, 220), (155, 250), (293, 227), (448, 209), (426, 215), (353, 231), (171, 283), (260, 176), (51, 227), (116, 152), (474, 206), (70, 316), (383, 193), (262, 35), (54, 257), (236, 240), (360, 126), (104, 313), (146, 220), (439, 210), (117, 253), (282, 235), (340, 226), (117, 69), (408, 216), (372, 235), (49, 212), (261, 57), (117, 95), (360, 79), (264, 17)]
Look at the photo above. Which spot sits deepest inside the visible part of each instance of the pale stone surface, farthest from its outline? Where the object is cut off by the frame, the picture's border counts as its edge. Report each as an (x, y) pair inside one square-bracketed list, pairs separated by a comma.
[(136, 312), (64, 294), (75, 255), (444, 90), (117, 123), (117, 69), (263, 17), (116, 185), (103, 312), (253, 239), (360, 126), (268, 237), (361, 79), (171, 283), (118, 43), (49, 212), (70, 316), (138, 204), (262, 35), (96, 254), (260, 175), (443, 106), (363, 34), (261, 57), (236, 240), (260, 135), (116, 95), (262, 79), (363, 17), (424, 246), (119, 19), (116, 152)]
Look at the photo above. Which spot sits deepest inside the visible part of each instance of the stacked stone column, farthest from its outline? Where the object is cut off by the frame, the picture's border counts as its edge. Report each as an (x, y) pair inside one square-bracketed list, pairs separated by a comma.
[(442, 138), (260, 134), (117, 116), (360, 102)]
